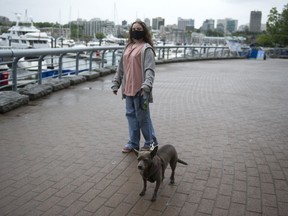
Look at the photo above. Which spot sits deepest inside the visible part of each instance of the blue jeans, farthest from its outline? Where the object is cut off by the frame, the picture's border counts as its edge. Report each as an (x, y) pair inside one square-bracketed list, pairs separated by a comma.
[(139, 120)]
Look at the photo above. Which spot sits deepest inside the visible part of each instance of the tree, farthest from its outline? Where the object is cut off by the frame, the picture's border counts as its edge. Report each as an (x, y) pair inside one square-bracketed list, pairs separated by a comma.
[(44, 24), (100, 36), (214, 33), (277, 26), (264, 40), (284, 24)]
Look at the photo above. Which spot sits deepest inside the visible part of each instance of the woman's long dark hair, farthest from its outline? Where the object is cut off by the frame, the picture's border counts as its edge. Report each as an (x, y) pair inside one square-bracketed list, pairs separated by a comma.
[(147, 36)]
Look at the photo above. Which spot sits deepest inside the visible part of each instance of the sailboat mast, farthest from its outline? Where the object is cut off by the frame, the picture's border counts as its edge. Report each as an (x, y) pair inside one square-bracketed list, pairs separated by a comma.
[(115, 15), (70, 22)]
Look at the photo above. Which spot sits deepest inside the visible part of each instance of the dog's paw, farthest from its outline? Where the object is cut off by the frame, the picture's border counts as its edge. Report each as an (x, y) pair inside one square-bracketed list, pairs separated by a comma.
[(153, 198), (172, 182), (142, 193)]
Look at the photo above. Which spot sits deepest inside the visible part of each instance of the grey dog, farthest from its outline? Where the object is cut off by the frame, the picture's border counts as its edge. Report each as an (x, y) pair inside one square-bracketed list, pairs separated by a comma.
[(152, 165)]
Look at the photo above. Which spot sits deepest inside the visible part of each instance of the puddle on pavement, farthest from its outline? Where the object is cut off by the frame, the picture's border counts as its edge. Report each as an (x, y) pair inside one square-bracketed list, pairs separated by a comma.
[(102, 85), (32, 103)]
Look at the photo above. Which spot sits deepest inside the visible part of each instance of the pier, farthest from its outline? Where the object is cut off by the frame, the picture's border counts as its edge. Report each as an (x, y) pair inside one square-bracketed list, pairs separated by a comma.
[(228, 119)]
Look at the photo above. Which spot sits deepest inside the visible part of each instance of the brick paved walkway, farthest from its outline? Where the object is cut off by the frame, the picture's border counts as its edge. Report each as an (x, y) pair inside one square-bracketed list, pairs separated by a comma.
[(61, 155)]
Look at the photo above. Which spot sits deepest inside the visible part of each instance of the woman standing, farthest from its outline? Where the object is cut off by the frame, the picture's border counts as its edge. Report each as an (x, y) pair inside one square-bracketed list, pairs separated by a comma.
[(136, 72)]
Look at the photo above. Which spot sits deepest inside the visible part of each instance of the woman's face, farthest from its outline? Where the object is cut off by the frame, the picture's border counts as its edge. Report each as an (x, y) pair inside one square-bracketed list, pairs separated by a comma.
[(137, 27), (137, 32)]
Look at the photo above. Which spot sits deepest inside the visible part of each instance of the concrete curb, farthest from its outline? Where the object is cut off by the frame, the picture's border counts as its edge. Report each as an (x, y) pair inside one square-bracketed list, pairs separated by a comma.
[(91, 75), (74, 80), (6, 104), (10, 100), (35, 91), (57, 84)]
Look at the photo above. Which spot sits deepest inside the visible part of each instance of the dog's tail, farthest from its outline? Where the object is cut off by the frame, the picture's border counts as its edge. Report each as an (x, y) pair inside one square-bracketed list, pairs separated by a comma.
[(182, 162)]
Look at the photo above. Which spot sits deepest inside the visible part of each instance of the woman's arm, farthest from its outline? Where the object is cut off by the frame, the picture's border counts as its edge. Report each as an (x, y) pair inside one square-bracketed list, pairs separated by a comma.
[(149, 69), (117, 79)]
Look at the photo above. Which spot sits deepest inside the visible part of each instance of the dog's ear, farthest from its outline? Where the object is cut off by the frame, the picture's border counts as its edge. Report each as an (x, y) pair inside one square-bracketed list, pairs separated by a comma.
[(154, 151), (136, 152)]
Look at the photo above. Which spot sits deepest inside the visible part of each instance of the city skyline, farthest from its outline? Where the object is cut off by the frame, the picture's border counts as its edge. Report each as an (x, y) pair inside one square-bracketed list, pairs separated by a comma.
[(70, 10)]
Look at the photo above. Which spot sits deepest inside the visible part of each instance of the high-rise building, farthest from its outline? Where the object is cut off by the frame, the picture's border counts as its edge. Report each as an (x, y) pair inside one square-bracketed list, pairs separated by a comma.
[(227, 25), (92, 27), (97, 25), (157, 22), (124, 23), (184, 24), (255, 21), (147, 22), (207, 25), (243, 28), (232, 25)]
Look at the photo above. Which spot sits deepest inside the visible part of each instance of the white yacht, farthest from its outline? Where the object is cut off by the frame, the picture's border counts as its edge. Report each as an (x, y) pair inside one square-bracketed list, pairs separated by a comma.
[(31, 63), (24, 35)]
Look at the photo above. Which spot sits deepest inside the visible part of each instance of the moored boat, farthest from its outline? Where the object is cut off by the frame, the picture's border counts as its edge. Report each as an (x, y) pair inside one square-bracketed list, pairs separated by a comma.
[(24, 35), (31, 63)]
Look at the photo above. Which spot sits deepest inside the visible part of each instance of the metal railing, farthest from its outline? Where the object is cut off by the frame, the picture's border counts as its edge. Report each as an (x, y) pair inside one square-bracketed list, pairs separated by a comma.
[(33, 65), (276, 52), (193, 52)]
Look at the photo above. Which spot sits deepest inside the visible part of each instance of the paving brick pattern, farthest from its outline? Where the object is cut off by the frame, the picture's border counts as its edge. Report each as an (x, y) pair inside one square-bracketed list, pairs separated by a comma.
[(61, 155)]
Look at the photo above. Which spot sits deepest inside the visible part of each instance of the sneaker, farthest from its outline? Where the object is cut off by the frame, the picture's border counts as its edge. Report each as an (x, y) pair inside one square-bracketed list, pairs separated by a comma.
[(145, 148), (154, 143), (126, 149)]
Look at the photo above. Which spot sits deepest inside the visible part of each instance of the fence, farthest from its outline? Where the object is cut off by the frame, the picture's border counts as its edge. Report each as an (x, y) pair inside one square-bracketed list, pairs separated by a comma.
[(23, 66), (276, 52)]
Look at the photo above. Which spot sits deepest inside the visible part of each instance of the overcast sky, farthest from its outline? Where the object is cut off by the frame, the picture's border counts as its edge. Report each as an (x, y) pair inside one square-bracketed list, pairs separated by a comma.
[(63, 11)]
